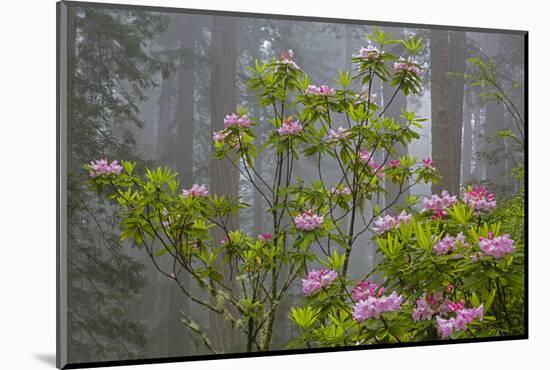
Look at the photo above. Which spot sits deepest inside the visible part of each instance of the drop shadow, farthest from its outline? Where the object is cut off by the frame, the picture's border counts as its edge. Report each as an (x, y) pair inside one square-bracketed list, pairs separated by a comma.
[(47, 358)]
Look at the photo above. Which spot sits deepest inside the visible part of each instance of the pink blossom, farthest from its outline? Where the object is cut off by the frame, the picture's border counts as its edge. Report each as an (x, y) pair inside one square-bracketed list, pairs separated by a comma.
[(317, 279), (340, 191), (375, 306), (480, 199), (287, 59), (428, 163), (366, 289), (438, 204), (308, 221), (103, 167), (370, 53), (464, 316), (366, 157), (456, 306), (195, 191), (425, 308), (406, 65), (220, 136), (323, 90), (235, 119), (394, 163), (496, 246), (383, 224), (340, 134), (449, 243), (290, 127), (265, 237)]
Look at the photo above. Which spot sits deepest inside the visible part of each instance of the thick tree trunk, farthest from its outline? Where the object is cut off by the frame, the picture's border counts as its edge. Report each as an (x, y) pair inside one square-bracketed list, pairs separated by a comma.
[(467, 147), (496, 166), (457, 66), (441, 114), (224, 178)]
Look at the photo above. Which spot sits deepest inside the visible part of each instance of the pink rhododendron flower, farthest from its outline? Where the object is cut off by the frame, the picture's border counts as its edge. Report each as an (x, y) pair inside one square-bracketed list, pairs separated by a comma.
[(265, 237), (366, 289), (290, 127), (219, 136), (406, 65), (317, 279), (366, 157), (383, 224), (375, 306), (323, 90), (438, 204), (455, 306), (394, 163), (496, 246), (195, 191), (370, 53), (425, 308), (308, 221), (235, 119), (340, 191), (428, 163), (287, 59), (103, 167), (449, 243), (480, 199), (464, 316), (340, 134)]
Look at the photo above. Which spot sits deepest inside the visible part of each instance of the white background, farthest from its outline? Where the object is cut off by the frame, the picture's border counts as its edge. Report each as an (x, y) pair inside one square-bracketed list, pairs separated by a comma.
[(27, 181)]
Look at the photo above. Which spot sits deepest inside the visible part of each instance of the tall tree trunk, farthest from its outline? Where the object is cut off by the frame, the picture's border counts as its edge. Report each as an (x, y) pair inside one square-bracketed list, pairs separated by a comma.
[(467, 146), (441, 115), (457, 66), (495, 164), (224, 178)]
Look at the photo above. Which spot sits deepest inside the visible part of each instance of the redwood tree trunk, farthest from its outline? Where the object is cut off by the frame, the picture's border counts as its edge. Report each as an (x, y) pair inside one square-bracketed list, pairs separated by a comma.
[(224, 178)]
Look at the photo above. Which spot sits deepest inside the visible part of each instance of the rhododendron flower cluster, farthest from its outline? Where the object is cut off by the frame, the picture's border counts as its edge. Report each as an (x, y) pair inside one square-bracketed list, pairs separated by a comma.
[(371, 53), (308, 221), (438, 204), (496, 246), (220, 136), (366, 157), (340, 134), (265, 237), (103, 167), (406, 65), (449, 243), (290, 127), (341, 191), (383, 224), (287, 59), (235, 119), (195, 191), (464, 316), (317, 279), (366, 289), (480, 199), (429, 305), (323, 90), (394, 163), (428, 163), (375, 306)]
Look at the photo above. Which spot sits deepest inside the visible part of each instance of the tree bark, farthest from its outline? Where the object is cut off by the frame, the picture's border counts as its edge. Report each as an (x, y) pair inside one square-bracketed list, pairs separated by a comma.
[(224, 178), (441, 116), (457, 66)]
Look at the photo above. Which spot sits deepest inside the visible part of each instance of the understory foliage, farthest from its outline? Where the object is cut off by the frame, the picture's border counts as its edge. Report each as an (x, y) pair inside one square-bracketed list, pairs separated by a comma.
[(451, 267)]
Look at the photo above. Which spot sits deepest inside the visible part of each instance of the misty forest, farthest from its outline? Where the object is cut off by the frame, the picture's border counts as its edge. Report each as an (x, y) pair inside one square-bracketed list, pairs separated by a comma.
[(241, 184)]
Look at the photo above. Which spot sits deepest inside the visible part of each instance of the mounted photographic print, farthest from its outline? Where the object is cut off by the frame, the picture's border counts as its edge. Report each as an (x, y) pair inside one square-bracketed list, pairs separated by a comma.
[(234, 184)]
